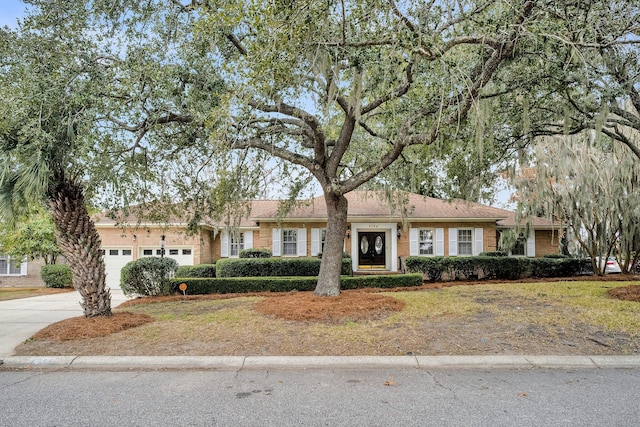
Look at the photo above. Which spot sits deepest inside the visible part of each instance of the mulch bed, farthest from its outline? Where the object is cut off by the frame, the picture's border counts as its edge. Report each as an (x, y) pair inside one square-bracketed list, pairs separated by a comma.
[(81, 327), (353, 306), (627, 293)]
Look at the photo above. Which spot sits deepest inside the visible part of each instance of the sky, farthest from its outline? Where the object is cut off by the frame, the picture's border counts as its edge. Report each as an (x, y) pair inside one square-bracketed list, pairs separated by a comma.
[(10, 10)]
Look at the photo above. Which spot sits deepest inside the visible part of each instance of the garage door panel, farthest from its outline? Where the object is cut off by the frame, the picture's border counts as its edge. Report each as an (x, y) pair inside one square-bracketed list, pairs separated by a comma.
[(114, 260)]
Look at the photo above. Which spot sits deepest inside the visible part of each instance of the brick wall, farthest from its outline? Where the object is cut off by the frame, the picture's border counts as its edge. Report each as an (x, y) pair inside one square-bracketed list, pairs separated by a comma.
[(547, 242)]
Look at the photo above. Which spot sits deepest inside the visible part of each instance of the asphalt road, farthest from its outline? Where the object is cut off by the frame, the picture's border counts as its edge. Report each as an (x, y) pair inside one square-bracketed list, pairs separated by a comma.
[(343, 397)]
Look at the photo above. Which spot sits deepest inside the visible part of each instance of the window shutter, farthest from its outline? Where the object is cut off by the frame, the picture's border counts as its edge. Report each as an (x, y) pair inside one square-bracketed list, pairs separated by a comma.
[(248, 239), (275, 241), (479, 241), (315, 241), (413, 242), (302, 242), (453, 242), (224, 244), (439, 242), (531, 244)]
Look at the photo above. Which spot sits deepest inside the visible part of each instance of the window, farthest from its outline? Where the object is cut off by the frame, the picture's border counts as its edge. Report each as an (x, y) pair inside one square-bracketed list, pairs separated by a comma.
[(147, 252), (236, 243), (465, 241), (174, 252), (159, 252), (10, 266), (126, 252), (425, 242), (520, 247), (323, 237), (113, 252), (186, 252), (289, 242)]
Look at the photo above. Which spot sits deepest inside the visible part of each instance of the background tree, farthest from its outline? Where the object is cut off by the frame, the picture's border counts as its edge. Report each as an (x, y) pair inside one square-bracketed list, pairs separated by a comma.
[(33, 237), (592, 188), (582, 75)]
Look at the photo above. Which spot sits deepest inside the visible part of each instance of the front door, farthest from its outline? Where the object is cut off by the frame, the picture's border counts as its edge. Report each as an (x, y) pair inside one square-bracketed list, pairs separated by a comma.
[(371, 250)]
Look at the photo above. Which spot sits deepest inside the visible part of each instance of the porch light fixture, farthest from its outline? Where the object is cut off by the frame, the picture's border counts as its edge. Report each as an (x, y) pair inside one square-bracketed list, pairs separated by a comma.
[(134, 237), (162, 242), (348, 231), (399, 231)]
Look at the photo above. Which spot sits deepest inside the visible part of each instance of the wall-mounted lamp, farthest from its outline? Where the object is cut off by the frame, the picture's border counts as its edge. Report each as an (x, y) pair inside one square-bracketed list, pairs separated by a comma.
[(134, 237), (348, 231), (399, 231)]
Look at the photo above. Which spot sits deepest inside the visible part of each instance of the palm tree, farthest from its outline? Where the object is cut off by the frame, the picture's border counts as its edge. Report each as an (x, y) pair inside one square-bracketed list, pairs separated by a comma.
[(45, 116)]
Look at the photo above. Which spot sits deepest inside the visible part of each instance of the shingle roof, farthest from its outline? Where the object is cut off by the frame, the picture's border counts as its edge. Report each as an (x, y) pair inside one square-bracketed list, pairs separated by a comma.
[(372, 204), (537, 222), (364, 205)]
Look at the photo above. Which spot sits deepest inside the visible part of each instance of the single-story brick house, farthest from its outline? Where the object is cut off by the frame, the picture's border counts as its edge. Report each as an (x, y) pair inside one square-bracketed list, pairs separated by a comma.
[(16, 272), (378, 237)]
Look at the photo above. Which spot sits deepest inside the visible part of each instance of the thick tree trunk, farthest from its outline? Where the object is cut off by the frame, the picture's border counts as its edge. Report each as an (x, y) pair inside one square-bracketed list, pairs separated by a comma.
[(80, 243), (331, 265)]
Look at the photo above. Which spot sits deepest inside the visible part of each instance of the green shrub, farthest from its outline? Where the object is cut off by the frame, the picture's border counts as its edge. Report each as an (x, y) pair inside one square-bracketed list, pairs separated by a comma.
[(494, 253), (381, 281), (430, 267), (270, 267), (201, 286), (56, 276), (494, 267), (255, 253), (201, 270), (148, 276)]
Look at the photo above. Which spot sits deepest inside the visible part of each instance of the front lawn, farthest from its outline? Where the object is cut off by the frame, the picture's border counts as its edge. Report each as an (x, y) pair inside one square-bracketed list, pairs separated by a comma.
[(556, 318)]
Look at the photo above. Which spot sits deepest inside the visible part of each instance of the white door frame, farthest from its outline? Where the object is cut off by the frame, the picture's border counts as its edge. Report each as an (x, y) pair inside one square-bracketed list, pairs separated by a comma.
[(391, 242)]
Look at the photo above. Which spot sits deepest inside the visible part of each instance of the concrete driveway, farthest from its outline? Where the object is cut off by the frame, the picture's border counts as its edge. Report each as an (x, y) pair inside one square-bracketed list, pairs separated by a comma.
[(21, 318)]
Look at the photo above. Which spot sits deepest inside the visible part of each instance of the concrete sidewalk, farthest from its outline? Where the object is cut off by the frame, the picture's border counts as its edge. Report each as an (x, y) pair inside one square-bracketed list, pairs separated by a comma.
[(21, 318)]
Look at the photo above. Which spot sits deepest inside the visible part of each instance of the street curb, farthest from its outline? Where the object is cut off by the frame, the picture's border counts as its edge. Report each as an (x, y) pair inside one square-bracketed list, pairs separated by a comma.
[(237, 363)]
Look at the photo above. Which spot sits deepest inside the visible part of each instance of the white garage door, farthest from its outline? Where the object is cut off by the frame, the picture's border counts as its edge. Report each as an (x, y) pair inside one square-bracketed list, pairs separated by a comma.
[(183, 255), (114, 260)]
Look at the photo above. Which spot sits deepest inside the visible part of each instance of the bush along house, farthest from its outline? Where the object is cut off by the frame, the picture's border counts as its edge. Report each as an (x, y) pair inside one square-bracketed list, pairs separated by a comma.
[(378, 238)]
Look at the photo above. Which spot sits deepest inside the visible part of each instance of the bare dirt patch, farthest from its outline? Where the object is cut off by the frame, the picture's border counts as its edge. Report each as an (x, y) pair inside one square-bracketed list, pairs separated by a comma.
[(628, 293)]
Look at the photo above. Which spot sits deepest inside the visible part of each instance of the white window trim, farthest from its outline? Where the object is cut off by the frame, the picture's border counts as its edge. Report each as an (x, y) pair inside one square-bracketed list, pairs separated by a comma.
[(292, 243), (437, 241), (226, 242), (458, 241), (317, 242), (23, 267)]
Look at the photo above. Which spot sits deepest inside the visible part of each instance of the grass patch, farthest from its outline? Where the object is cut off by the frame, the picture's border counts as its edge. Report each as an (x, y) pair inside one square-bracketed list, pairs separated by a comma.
[(17, 293)]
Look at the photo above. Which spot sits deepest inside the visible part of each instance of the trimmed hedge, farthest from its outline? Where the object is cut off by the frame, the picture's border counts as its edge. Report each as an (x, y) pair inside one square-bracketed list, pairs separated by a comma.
[(255, 253), (494, 253), (201, 270), (494, 267), (56, 276), (201, 286), (273, 267)]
